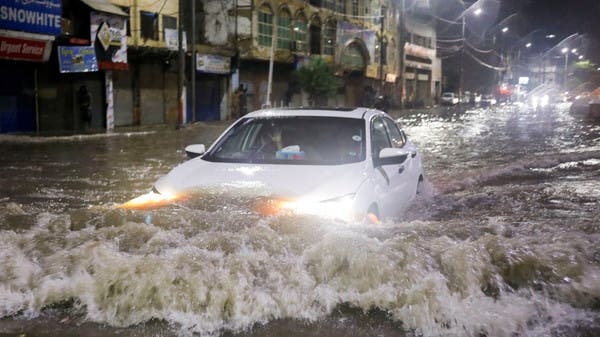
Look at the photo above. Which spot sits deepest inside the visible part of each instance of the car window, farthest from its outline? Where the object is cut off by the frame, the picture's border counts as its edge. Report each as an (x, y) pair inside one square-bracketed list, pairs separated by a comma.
[(394, 133), (292, 140), (379, 137)]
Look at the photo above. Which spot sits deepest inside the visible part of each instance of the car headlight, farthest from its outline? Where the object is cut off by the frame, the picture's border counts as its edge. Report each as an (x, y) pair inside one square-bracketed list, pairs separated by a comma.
[(151, 199), (338, 208)]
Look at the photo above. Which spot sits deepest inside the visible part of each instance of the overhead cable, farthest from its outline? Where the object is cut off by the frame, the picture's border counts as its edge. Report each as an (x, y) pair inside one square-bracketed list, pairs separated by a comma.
[(487, 65)]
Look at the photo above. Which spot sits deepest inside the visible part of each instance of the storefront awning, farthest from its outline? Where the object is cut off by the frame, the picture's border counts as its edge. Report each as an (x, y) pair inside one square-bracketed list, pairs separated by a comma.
[(103, 6)]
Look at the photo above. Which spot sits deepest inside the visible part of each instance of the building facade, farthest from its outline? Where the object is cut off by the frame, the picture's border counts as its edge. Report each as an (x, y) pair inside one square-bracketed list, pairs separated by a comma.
[(126, 53)]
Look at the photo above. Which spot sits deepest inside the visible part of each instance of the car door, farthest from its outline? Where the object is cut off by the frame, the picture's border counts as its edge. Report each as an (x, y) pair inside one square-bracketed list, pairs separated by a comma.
[(390, 195), (412, 165), (406, 179)]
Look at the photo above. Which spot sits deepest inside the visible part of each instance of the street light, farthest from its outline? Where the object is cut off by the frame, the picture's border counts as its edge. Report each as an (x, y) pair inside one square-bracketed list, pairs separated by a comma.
[(505, 29), (528, 45), (475, 9), (565, 51)]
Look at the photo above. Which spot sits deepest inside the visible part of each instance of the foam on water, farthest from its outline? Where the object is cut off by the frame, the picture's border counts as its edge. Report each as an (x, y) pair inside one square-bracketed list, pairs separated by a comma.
[(208, 277)]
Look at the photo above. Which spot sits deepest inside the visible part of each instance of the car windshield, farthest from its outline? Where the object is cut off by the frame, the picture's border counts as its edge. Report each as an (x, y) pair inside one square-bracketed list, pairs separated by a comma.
[(447, 94), (292, 141)]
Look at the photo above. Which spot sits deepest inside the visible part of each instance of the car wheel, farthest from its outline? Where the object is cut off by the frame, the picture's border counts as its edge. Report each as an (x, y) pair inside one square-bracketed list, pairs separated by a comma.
[(373, 214)]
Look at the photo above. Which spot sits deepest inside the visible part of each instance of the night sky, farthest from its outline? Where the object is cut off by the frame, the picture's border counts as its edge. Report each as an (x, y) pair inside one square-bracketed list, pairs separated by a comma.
[(529, 21)]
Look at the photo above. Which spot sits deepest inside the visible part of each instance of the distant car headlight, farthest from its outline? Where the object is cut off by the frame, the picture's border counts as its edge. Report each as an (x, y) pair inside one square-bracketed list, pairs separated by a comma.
[(534, 101)]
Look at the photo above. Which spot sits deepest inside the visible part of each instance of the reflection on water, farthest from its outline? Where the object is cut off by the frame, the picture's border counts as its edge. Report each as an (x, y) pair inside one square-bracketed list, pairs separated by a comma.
[(503, 242)]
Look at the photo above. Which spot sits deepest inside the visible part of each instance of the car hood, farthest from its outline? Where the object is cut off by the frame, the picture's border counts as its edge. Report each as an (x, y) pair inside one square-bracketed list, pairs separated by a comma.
[(319, 182)]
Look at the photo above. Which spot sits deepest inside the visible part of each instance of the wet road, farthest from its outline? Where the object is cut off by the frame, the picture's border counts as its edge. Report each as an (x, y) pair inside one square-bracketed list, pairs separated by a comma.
[(505, 241)]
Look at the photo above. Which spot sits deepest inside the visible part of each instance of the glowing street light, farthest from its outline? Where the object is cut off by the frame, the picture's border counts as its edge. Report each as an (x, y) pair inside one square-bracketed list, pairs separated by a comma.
[(581, 57), (574, 50), (528, 45), (478, 11), (505, 29), (550, 36), (564, 50)]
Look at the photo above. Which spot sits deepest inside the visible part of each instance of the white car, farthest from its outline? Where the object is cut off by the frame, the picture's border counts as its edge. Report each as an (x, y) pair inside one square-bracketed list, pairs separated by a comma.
[(449, 98), (340, 163)]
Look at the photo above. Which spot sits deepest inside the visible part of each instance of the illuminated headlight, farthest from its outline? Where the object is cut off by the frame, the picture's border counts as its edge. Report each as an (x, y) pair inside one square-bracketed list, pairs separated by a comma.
[(337, 208), (151, 200)]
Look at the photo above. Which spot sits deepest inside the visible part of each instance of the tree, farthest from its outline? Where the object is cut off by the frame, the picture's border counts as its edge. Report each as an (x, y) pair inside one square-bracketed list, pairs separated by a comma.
[(318, 80)]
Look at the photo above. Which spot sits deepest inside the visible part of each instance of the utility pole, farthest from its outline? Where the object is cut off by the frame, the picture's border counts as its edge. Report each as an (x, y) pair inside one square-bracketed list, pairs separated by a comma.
[(566, 70), (402, 27), (180, 70), (271, 61), (462, 56), (193, 60), (381, 49)]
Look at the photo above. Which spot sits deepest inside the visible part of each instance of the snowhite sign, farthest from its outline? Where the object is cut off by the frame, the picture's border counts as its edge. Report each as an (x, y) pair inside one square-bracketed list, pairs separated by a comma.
[(33, 16)]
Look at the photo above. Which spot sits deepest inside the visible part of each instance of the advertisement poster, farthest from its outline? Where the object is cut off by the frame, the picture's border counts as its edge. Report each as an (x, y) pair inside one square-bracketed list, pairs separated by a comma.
[(40, 16), (214, 64), (77, 59), (109, 38)]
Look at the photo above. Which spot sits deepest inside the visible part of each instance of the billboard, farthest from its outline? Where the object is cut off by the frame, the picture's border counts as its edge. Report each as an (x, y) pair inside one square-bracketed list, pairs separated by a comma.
[(77, 59), (41, 17)]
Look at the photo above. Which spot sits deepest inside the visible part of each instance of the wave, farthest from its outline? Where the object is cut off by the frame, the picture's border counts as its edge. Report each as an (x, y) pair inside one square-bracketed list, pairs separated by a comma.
[(524, 167), (210, 271)]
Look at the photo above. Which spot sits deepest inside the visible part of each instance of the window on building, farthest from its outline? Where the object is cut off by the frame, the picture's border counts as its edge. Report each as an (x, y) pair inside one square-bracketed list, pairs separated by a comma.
[(329, 4), (367, 7), (329, 38), (149, 23), (391, 51), (300, 37), (169, 22), (340, 6), (315, 36), (355, 8), (265, 26), (284, 22), (316, 3)]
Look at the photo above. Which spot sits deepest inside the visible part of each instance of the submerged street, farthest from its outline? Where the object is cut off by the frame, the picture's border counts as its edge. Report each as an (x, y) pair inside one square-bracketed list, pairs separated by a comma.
[(503, 241)]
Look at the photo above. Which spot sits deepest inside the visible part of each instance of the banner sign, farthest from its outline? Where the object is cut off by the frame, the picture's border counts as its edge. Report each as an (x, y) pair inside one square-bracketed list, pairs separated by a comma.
[(214, 64), (33, 16), (24, 50), (108, 33), (77, 59)]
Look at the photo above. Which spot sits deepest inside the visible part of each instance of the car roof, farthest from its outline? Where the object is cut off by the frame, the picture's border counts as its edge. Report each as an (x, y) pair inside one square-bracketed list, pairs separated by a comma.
[(358, 113)]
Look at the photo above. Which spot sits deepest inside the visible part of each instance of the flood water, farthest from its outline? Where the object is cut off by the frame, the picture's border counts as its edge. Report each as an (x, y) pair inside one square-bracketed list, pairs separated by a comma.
[(504, 241)]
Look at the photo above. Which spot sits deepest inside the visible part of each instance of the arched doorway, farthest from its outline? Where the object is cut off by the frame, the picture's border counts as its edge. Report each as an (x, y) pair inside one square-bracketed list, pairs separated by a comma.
[(353, 61)]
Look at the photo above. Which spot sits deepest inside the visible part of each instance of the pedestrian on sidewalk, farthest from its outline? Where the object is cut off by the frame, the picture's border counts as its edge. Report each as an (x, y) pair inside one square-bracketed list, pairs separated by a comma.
[(84, 100)]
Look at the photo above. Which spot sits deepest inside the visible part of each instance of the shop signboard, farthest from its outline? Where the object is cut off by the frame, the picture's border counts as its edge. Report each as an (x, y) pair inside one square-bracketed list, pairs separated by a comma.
[(109, 39), (214, 64), (77, 59), (24, 49), (40, 16)]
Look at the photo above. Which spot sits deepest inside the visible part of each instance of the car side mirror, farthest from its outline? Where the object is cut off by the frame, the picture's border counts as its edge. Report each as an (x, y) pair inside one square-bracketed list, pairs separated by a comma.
[(391, 156), (195, 150)]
